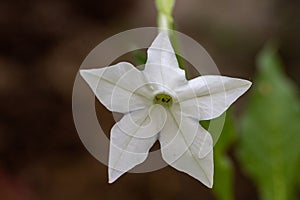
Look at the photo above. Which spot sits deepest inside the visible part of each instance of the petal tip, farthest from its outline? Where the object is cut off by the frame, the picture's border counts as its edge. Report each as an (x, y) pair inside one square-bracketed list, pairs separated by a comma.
[(209, 181), (83, 72), (110, 181), (248, 83), (113, 175), (210, 185), (163, 34), (162, 42)]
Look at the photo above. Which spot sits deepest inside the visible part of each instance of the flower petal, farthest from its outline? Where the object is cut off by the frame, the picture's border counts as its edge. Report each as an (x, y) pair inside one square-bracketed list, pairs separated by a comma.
[(187, 147), (162, 66), (120, 88), (207, 97), (144, 123), (131, 141), (201, 169)]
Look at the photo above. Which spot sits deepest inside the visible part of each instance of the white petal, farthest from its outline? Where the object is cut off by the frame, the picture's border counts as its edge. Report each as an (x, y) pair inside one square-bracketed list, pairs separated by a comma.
[(207, 97), (200, 169), (128, 149), (120, 88), (187, 147), (144, 123), (162, 65)]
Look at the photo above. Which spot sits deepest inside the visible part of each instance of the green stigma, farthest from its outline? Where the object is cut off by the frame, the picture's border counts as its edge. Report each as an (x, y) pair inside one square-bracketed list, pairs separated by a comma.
[(163, 99)]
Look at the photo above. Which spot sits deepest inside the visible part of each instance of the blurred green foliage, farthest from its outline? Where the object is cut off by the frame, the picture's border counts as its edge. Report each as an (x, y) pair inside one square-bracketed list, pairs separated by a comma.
[(140, 57), (223, 178), (269, 144)]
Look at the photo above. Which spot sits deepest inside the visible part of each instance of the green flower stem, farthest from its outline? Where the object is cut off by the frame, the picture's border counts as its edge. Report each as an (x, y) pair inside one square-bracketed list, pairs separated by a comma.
[(165, 21), (164, 8)]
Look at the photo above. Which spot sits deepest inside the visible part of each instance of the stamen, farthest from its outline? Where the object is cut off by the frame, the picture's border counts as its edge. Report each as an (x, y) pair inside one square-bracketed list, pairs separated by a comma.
[(163, 99)]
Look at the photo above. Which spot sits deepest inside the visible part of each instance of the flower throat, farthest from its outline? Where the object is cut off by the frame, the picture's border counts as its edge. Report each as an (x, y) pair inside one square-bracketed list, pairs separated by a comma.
[(163, 99)]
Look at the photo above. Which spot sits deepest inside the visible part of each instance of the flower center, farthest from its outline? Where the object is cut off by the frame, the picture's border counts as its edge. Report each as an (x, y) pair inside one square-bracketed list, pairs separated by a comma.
[(163, 99)]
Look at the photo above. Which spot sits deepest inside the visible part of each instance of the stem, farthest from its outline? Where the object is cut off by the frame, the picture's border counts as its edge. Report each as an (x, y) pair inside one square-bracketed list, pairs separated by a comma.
[(165, 8), (165, 22)]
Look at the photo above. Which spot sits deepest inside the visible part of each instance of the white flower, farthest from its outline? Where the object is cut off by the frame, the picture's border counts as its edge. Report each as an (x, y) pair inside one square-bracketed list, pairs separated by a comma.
[(158, 103)]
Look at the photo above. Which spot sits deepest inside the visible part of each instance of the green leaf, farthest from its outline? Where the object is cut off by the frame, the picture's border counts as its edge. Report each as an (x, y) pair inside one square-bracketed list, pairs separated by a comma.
[(223, 183), (269, 144)]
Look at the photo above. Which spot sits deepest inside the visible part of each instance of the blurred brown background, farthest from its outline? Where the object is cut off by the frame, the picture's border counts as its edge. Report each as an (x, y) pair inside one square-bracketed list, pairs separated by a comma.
[(42, 44)]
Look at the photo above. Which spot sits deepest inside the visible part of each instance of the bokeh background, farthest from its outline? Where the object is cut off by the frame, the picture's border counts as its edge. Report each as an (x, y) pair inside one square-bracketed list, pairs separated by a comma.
[(42, 44)]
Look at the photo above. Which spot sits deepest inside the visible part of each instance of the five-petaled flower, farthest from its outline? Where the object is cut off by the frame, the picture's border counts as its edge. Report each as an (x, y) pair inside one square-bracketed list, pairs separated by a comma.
[(158, 103)]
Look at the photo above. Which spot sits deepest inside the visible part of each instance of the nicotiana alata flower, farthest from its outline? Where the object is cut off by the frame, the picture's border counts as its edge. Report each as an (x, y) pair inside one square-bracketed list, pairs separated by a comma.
[(158, 103)]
